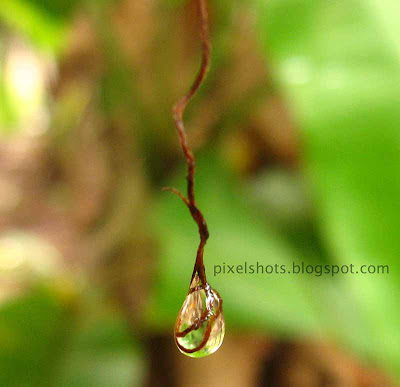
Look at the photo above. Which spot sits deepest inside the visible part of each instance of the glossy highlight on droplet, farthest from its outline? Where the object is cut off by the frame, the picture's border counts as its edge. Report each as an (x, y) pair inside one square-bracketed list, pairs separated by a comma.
[(200, 325)]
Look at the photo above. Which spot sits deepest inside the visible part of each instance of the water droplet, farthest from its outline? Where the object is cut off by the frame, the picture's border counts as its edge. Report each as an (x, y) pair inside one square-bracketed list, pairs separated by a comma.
[(200, 326)]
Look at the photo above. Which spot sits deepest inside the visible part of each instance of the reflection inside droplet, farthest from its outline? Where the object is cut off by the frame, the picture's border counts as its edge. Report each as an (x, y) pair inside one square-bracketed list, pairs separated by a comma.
[(200, 326)]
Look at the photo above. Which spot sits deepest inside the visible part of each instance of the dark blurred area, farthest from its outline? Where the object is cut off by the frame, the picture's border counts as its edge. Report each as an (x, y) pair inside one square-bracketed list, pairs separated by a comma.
[(296, 134)]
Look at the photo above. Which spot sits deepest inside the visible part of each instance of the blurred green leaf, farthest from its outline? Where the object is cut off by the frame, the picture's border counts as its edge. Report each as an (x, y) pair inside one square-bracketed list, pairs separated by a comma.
[(43, 342), (339, 65), (100, 352), (57, 9), (45, 30), (8, 111), (45, 22), (31, 332)]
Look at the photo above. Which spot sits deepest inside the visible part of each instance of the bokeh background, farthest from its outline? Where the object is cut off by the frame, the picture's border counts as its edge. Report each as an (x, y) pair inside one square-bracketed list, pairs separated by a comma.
[(296, 131)]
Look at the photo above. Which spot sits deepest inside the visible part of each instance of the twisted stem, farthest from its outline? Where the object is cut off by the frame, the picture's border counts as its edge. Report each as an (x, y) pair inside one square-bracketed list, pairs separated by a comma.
[(178, 111)]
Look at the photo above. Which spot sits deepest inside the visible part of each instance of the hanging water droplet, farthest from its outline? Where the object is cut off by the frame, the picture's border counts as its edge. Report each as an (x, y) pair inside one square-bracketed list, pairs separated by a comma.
[(200, 326)]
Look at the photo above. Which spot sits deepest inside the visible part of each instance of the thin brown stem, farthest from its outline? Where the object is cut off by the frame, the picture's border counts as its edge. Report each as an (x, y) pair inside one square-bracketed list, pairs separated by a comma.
[(178, 112)]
